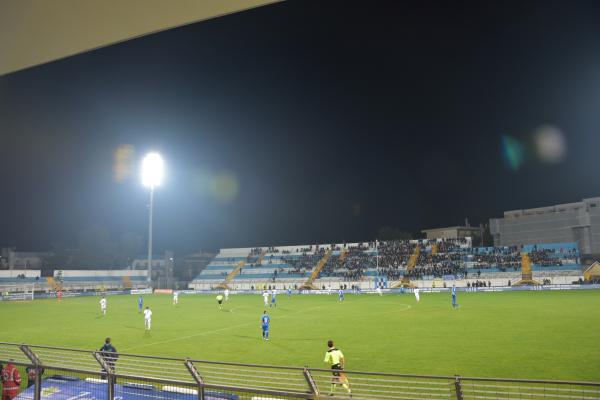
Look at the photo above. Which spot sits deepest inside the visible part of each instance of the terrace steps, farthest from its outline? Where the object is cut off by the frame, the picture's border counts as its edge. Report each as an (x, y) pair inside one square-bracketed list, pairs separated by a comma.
[(313, 276), (53, 283), (526, 274), (127, 282), (261, 257), (592, 272), (231, 275), (412, 263), (343, 255)]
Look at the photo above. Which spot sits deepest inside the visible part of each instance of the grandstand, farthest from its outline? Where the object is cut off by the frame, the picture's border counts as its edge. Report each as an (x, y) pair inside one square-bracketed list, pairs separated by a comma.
[(82, 280), (21, 284), (18, 284), (425, 263)]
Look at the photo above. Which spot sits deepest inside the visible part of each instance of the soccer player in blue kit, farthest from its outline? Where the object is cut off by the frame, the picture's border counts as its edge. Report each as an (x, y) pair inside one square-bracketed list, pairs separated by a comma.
[(454, 305), (140, 303), (265, 321)]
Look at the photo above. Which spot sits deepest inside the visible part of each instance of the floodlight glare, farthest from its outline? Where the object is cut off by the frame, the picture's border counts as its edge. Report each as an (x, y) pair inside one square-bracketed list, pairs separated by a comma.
[(152, 170), (152, 176)]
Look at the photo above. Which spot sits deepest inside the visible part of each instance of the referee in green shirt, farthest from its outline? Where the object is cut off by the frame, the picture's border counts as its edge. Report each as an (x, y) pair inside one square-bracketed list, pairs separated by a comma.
[(336, 358)]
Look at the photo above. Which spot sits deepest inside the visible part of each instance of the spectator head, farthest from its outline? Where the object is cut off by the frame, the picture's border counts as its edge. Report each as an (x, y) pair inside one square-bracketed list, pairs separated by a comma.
[(107, 340), (330, 343)]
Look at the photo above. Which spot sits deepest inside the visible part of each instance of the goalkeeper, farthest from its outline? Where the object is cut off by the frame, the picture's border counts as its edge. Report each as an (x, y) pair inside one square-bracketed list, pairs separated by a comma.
[(336, 358)]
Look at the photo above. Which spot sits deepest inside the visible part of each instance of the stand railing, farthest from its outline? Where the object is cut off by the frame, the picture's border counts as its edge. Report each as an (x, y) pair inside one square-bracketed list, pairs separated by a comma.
[(69, 374)]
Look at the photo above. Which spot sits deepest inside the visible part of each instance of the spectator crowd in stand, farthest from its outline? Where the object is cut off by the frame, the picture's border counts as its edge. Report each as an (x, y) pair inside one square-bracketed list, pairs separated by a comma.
[(436, 259), (503, 258), (553, 257), (305, 263), (351, 263)]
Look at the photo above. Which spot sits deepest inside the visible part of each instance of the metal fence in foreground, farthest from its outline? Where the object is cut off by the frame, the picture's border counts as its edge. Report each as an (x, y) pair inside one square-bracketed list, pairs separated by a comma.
[(69, 374)]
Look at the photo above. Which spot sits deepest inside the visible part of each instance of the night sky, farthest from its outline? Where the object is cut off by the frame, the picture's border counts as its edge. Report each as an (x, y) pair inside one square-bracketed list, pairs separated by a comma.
[(307, 122)]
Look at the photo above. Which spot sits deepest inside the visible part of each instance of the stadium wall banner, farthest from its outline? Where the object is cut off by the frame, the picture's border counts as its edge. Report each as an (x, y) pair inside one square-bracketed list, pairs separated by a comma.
[(141, 291), (52, 295), (399, 291), (163, 291)]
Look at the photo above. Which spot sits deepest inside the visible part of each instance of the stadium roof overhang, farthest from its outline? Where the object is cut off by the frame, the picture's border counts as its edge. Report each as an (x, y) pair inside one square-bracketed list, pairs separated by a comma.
[(34, 32)]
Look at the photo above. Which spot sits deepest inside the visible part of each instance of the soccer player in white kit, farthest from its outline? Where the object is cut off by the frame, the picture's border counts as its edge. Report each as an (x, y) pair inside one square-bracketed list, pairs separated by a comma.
[(416, 291), (266, 298), (103, 305), (226, 293), (147, 319), (378, 290), (329, 289), (175, 298)]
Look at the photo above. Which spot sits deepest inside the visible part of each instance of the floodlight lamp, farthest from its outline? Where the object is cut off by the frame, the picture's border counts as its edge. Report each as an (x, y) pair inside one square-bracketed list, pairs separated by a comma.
[(152, 170)]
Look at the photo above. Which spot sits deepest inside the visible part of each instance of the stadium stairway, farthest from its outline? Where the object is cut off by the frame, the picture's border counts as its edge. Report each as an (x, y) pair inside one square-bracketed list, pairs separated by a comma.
[(343, 255), (526, 274), (412, 263), (592, 272), (53, 284), (231, 275), (434, 249), (315, 274), (127, 282), (261, 257)]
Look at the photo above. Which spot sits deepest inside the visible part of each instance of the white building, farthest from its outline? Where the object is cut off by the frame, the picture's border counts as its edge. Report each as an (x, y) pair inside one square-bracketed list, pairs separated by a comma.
[(13, 259), (573, 222)]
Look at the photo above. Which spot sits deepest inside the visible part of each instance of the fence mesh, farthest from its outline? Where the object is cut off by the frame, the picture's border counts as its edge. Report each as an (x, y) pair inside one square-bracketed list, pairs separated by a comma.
[(49, 373), (373, 386), (506, 389), (149, 367), (67, 358), (251, 376)]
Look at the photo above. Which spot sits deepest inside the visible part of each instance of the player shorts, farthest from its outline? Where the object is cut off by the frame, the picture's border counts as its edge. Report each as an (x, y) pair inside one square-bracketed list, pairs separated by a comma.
[(336, 368), (220, 301), (265, 328)]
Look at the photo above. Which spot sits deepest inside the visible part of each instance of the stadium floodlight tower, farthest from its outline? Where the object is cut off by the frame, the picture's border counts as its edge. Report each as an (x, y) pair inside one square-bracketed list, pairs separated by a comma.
[(152, 176)]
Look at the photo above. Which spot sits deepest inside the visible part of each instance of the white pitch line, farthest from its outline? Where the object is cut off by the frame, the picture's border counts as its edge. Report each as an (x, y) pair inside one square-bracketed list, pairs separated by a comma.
[(187, 337), (206, 332), (408, 307)]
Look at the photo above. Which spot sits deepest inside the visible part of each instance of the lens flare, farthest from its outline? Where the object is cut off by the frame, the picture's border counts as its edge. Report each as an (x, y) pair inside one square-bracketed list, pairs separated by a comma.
[(550, 144), (225, 186), (123, 162), (512, 152)]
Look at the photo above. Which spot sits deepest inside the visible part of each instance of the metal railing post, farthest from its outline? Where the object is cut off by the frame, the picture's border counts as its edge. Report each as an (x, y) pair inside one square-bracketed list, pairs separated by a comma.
[(458, 387), (111, 386), (37, 394), (110, 378), (311, 382), (197, 377)]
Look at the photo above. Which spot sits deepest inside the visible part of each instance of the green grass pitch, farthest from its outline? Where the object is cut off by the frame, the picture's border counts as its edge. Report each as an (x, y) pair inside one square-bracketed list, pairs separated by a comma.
[(547, 335)]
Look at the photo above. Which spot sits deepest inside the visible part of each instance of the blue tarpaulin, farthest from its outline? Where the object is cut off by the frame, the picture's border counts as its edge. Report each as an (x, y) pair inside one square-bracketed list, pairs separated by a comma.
[(70, 388)]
